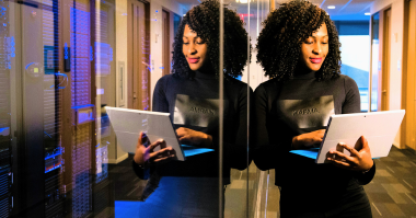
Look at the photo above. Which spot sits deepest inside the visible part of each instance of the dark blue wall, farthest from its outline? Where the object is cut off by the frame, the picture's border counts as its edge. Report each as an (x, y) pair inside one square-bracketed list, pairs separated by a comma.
[(353, 27)]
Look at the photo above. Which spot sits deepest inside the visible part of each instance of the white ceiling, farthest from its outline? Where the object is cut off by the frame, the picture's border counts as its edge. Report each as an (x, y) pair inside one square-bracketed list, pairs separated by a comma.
[(344, 9), (346, 6)]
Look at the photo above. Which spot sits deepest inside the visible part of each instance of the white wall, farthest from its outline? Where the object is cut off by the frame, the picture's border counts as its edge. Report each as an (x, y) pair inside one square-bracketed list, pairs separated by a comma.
[(156, 7), (115, 153), (121, 50), (396, 53)]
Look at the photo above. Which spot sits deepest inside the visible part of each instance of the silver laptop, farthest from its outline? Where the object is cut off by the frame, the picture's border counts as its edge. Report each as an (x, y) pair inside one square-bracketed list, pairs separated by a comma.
[(128, 124), (379, 128)]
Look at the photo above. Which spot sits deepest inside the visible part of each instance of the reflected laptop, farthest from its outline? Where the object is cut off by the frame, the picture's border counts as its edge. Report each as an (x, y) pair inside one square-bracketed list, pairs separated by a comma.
[(379, 128), (128, 123)]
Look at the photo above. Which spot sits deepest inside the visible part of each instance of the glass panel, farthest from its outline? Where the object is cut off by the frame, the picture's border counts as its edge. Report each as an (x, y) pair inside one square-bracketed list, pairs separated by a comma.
[(63, 62), (241, 196), (8, 54), (375, 60), (353, 35)]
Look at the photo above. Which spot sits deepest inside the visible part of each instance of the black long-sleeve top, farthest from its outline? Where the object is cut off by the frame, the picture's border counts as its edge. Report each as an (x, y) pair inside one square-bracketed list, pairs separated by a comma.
[(283, 110), (194, 103)]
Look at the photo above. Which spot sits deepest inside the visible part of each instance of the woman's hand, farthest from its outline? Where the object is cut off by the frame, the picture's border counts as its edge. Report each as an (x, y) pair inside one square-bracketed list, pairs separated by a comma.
[(189, 136), (144, 150), (308, 140), (358, 161)]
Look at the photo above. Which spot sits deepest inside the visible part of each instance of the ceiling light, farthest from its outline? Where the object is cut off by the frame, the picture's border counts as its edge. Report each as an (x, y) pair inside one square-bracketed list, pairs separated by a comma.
[(367, 14), (243, 1), (331, 7)]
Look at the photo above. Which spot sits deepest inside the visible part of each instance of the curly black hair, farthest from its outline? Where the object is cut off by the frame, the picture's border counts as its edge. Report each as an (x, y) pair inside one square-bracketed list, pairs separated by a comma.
[(204, 20), (279, 43)]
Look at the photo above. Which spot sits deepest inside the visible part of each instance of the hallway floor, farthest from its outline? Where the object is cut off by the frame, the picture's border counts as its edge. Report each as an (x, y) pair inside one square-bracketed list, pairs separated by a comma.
[(392, 192)]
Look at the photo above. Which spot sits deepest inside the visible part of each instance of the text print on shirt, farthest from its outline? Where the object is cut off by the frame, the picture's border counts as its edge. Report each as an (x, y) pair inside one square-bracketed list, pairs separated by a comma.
[(195, 111), (307, 113)]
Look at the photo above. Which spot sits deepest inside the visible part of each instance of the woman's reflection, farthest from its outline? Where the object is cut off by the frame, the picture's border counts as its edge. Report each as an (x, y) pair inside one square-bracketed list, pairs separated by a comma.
[(191, 96)]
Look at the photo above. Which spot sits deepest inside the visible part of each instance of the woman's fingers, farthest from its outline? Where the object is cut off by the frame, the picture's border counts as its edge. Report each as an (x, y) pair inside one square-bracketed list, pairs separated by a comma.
[(165, 152), (340, 155), (160, 159), (321, 133), (180, 132), (350, 149), (162, 143), (185, 140), (143, 139), (364, 143), (140, 141), (153, 145), (164, 158), (341, 164), (317, 140)]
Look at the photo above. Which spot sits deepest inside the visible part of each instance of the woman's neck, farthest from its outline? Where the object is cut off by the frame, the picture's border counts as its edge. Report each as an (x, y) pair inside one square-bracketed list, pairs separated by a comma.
[(303, 72), (205, 72)]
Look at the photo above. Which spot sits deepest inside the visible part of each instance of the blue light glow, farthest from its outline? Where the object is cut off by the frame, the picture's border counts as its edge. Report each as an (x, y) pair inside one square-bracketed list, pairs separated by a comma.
[(12, 47), (91, 54), (55, 154), (127, 208), (66, 51), (5, 131), (82, 106), (10, 51), (28, 65), (111, 54), (104, 53), (85, 117), (3, 12), (311, 153), (63, 81), (47, 135)]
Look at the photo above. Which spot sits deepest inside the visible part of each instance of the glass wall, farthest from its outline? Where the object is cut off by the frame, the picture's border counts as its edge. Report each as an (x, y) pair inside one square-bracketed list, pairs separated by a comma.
[(353, 35), (63, 63), (375, 61)]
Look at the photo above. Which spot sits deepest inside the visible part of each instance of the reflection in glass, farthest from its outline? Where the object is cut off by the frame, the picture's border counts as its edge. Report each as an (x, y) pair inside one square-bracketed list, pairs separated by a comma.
[(192, 95), (375, 60), (7, 51), (61, 63), (353, 35)]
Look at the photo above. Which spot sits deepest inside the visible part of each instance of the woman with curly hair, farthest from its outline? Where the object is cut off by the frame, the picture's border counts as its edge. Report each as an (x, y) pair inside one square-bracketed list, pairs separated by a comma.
[(300, 50), (191, 96)]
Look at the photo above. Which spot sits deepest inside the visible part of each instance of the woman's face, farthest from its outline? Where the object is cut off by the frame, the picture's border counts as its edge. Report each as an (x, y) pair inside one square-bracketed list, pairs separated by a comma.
[(315, 48), (194, 48)]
